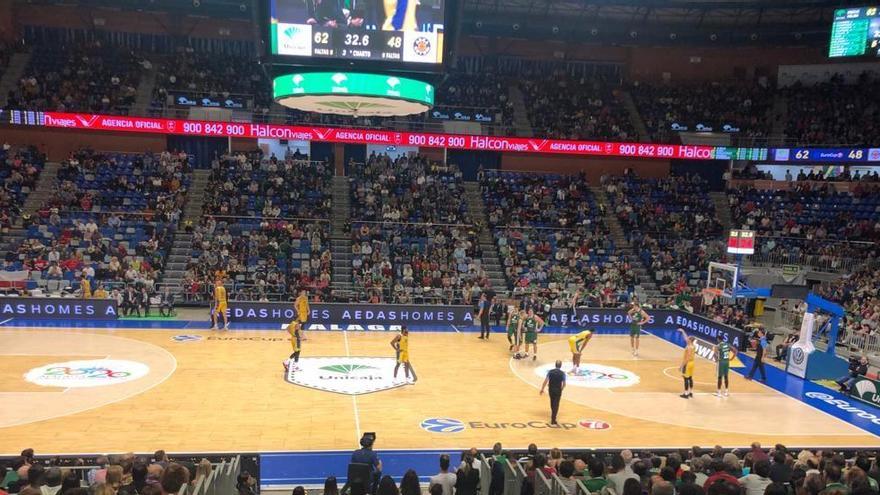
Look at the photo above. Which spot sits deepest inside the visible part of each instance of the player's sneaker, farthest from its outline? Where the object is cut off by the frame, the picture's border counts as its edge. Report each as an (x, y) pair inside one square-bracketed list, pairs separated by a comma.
[(535, 357), (727, 393), (286, 364), (717, 393), (685, 396)]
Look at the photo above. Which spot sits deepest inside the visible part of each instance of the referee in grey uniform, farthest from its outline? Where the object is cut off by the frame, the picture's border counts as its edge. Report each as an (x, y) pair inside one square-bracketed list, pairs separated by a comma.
[(555, 384)]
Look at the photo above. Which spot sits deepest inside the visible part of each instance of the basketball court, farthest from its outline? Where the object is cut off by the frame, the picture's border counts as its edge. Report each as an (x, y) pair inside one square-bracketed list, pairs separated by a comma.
[(97, 390)]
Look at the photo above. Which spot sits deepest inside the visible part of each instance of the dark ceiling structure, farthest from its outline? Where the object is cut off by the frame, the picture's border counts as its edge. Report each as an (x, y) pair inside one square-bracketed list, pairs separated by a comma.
[(795, 22)]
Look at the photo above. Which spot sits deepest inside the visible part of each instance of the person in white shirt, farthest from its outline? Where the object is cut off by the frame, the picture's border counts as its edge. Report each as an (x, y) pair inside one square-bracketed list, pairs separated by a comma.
[(620, 472), (444, 478), (756, 482)]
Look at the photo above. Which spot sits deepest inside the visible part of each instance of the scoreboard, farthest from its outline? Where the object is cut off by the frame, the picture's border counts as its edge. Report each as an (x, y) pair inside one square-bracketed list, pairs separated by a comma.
[(394, 31), (392, 46), (741, 242), (855, 32)]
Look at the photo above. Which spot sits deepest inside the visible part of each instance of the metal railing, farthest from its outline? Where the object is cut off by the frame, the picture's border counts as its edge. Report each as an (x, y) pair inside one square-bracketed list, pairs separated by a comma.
[(824, 263)]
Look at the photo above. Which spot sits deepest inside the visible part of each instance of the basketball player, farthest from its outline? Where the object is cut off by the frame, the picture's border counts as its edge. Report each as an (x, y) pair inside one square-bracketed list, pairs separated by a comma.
[(294, 328), (86, 287), (687, 365), (220, 305), (513, 324), (400, 344), (725, 353), (577, 343), (400, 15), (532, 325), (639, 317), (301, 305)]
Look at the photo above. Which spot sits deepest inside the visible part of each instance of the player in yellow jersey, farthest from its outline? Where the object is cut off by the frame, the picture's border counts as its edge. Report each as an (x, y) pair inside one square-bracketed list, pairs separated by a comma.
[(86, 287), (220, 305), (400, 343), (577, 343), (400, 15), (294, 328), (301, 305), (687, 365)]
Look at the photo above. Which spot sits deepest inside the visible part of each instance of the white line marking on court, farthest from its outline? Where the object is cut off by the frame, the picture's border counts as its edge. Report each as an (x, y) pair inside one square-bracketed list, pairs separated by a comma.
[(455, 328), (138, 392), (354, 401), (5, 321)]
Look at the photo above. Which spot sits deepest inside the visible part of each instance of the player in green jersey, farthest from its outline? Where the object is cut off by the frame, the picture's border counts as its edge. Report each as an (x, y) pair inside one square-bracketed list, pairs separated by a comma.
[(638, 317), (531, 326), (725, 353), (513, 324)]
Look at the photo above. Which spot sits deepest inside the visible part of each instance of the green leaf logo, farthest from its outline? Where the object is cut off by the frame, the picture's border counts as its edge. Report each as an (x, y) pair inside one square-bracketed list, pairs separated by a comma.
[(345, 369), (291, 31)]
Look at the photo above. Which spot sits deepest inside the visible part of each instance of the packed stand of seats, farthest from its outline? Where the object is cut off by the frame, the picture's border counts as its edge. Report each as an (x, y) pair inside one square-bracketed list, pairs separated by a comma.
[(859, 294), (6, 51), (484, 93), (671, 224), (562, 107), (123, 474), (551, 235), (111, 219), (412, 238), (88, 76), (195, 74), (811, 220), (834, 113), (745, 107), (19, 170), (264, 228)]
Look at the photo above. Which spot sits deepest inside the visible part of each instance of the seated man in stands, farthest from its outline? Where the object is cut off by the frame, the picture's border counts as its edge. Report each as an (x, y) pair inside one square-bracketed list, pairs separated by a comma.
[(857, 368), (782, 349)]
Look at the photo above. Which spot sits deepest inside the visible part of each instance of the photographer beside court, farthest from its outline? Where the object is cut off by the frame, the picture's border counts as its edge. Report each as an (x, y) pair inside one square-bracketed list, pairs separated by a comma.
[(857, 367)]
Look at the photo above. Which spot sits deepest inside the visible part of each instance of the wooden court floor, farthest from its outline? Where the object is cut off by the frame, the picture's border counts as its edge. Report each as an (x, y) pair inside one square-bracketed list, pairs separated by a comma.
[(225, 391)]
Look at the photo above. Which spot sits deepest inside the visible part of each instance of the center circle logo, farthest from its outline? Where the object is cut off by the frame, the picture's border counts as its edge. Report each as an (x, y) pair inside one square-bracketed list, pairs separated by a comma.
[(592, 375), (797, 356), (442, 425), (87, 373)]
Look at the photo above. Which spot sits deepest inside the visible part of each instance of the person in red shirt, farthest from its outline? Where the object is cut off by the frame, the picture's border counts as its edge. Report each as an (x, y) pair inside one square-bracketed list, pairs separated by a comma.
[(719, 474)]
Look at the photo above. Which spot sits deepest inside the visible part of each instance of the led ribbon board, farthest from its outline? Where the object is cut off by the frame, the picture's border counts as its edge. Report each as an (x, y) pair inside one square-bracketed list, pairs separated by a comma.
[(353, 93)]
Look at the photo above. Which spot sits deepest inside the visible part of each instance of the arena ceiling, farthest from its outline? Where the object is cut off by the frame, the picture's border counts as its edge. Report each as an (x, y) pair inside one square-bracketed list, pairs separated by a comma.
[(619, 21)]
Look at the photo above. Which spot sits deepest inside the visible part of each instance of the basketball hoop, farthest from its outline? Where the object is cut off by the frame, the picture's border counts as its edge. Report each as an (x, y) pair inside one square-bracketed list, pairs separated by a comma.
[(710, 294)]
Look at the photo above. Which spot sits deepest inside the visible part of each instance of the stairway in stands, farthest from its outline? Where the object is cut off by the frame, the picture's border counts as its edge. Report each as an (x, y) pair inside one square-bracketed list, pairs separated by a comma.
[(645, 286), (340, 235), (635, 118), (12, 74), (520, 114), (181, 248), (43, 190), (722, 209), (491, 260)]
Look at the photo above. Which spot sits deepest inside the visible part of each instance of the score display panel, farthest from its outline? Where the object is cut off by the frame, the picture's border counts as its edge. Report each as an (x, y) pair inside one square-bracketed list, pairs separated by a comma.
[(855, 32), (402, 31)]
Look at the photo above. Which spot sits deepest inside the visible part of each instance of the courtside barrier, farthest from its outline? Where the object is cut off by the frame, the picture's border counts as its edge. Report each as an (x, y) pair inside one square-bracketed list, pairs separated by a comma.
[(345, 314), (58, 308), (660, 319)]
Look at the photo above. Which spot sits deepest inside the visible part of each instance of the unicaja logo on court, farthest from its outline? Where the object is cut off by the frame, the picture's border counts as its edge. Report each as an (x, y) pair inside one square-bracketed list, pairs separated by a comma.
[(346, 375), (442, 425), (90, 373)]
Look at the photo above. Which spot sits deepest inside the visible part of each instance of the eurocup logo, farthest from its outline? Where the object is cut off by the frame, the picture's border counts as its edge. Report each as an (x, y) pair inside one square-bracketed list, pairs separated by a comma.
[(442, 425), (797, 356)]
